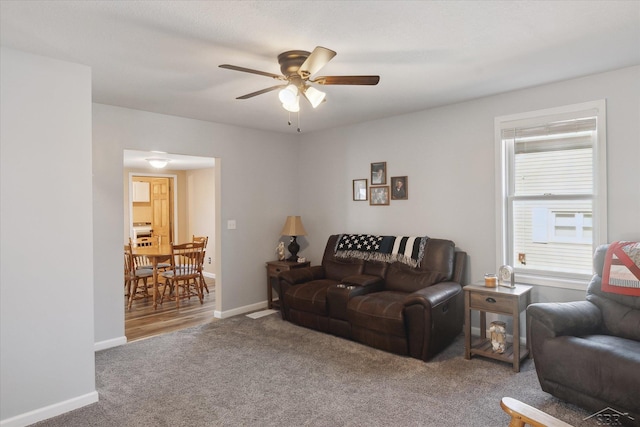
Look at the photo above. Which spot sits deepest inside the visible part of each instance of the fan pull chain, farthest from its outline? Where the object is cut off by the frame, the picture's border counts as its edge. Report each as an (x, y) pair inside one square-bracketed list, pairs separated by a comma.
[(289, 121)]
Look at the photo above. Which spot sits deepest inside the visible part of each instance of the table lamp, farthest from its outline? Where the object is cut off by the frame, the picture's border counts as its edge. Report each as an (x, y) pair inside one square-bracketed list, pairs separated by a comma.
[(293, 227)]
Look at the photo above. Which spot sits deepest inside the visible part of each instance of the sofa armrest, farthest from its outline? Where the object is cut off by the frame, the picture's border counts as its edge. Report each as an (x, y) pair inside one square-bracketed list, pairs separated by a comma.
[(433, 318), (433, 295), (363, 280), (301, 275), (566, 318), (297, 276)]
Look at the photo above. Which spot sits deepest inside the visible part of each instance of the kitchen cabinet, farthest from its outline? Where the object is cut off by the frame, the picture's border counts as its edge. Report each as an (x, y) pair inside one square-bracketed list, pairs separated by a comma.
[(141, 191)]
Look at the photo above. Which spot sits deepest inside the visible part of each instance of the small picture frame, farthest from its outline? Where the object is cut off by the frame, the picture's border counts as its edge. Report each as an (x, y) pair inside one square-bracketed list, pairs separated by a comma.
[(360, 190), (399, 188), (379, 196), (379, 173)]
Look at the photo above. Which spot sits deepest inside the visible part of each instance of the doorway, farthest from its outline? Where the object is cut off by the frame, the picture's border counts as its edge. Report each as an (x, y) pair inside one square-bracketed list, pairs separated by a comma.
[(152, 206), (174, 203)]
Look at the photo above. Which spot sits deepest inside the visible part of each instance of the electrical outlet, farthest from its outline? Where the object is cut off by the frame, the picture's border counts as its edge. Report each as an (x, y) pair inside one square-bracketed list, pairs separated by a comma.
[(209, 260), (231, 224)]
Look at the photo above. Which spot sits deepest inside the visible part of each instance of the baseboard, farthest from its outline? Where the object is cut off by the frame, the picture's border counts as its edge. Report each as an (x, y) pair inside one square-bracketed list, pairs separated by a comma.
[(240, 310), (50, 411), (209, 275), (113, 342)]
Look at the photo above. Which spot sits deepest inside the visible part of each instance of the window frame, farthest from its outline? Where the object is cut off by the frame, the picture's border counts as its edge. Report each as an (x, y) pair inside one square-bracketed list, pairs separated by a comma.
[(504, 173)]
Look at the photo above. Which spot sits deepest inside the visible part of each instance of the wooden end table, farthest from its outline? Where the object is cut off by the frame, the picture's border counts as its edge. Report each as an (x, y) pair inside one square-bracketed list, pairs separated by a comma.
[(273, 269), (498, 300)]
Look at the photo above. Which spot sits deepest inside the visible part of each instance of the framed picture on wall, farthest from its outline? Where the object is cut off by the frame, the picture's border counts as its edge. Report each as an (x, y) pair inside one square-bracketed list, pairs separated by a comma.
[(360, 189), (379, 173), (379, 196), (399, 188)]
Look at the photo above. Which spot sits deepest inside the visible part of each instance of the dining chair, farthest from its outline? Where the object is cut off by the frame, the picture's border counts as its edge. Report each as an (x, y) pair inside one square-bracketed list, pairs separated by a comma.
[(129, 276), (144, 241), (133, 275), (205, 241), (184, 276), (143, 261)]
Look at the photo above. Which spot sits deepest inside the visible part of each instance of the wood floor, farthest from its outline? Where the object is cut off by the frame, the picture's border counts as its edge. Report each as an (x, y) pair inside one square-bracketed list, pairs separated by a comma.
[(142, 321)]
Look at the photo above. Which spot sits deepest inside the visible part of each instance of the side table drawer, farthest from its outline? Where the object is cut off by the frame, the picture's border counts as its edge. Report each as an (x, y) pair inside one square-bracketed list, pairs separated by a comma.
[(493, 302), (274, 270)]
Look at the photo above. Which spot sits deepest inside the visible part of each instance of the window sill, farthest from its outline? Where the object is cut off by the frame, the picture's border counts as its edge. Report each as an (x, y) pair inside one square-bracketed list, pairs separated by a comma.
[(553, 282)]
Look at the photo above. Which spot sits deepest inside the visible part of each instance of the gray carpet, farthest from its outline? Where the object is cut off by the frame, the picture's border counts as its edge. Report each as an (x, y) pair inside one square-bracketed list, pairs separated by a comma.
[(265, 372)]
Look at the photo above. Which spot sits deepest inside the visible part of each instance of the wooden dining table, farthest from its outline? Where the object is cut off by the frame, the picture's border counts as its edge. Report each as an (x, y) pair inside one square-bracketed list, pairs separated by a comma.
[(155, 254)]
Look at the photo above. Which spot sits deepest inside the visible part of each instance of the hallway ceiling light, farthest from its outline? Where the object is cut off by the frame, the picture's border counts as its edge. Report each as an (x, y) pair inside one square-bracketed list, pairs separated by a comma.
[(158, 163)]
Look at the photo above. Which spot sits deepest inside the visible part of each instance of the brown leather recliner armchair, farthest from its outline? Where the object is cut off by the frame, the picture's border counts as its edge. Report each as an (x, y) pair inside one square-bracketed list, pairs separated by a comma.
[(588, 352), (410, 311)]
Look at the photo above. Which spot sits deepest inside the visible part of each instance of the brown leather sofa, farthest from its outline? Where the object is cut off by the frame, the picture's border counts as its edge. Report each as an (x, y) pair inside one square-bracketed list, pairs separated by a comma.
[(387, 305), (588, 352)]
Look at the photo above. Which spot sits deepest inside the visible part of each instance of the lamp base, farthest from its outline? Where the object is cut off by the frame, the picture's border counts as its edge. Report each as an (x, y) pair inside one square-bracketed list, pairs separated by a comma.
[(293, 247)]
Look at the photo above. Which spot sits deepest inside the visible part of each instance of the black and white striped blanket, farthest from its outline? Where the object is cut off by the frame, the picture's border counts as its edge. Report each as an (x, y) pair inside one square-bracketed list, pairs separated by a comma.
[(408, 250)]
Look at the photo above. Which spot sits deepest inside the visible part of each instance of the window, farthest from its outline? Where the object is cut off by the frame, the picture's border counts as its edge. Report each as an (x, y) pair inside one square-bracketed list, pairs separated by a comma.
[(551, 192)]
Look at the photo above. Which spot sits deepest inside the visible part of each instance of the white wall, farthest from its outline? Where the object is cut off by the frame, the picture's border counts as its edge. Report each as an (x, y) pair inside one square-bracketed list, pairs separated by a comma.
[(46, 286), (201, 212), (448, 155), (255, 181)]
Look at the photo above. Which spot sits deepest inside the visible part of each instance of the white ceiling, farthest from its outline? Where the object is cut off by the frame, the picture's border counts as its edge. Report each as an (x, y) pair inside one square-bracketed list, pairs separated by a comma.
[(163, 56)]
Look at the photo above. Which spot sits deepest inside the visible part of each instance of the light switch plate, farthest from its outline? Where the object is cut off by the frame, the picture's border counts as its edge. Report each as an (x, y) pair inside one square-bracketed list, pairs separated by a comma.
[(231, 224)]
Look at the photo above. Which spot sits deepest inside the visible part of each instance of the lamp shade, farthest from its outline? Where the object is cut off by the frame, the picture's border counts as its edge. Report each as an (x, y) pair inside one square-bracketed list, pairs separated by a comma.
[(294, 107), (314, 96), (288, 95), (293, 227)]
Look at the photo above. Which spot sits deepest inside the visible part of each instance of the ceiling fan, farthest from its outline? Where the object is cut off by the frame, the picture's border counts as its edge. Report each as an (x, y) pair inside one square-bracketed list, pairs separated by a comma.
[(297, 67)]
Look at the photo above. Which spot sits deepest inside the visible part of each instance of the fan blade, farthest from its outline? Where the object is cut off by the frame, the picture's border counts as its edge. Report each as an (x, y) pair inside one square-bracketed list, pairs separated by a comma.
[(249, 70), (260, 92), (318, 59), (347, 80)]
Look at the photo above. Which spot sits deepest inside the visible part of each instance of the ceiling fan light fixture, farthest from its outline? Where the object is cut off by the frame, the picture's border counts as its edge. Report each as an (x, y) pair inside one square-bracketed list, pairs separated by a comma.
[(292, 107), (297, 66), (314, 96), (289, 94), (158, 163)]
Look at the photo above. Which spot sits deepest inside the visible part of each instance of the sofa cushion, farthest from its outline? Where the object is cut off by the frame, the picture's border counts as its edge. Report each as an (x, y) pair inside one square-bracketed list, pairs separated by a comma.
[(376, 268), (402, 278), (619, 319), (439, 255), (620, 313), (597, 365), (337, 269), (309, 297), (379, 311)]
